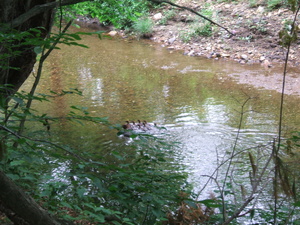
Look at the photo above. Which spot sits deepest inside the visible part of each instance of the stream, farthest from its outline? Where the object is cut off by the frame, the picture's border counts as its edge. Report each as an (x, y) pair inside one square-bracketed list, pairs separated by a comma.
[(199, 101)]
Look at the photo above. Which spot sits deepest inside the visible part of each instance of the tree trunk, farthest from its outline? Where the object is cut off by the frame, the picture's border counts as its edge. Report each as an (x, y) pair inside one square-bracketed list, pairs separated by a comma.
[(13, 198), (19, 207), (9, 10)]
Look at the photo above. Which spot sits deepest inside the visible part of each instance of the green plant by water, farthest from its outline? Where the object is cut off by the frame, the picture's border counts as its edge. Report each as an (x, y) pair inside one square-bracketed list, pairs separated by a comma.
[(143, 27), (121, 14), (141, 187)]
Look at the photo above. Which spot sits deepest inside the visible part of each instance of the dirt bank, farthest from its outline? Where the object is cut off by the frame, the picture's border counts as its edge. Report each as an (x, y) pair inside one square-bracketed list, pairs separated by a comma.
[(256, 29)]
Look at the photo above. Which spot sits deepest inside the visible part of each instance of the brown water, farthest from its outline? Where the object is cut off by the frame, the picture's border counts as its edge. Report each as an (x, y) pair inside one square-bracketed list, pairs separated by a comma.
[(198, 100)]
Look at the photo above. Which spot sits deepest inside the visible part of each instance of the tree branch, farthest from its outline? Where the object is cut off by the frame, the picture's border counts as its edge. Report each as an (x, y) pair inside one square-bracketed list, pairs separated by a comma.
[(193, 11), (15, 199), (40, 9)]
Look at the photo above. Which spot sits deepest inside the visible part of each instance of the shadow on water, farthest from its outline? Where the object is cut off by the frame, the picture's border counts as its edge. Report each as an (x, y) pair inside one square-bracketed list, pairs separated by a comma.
[(198, 100)]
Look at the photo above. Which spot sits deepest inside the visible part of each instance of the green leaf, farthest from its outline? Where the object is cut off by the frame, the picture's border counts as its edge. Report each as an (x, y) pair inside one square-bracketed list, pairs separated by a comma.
[(81, 166), (13, 176), (81, 192), (38, 50), (17, 163), (18, 100), (210, 203), (297, 204)]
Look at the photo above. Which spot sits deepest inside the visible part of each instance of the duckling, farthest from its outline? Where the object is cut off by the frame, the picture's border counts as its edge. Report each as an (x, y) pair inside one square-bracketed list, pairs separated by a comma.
[(140, 123), (142, 127), (134, 126), (128, 125), (146, 126)]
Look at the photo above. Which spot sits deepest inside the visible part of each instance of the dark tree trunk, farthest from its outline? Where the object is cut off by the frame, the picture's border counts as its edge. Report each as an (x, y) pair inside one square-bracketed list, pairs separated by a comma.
[(21, 208), (9, 10), (23, 15), (18, 207)]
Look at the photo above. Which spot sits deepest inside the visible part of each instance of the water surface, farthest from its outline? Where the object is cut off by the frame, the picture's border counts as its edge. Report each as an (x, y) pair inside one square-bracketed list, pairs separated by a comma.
[(198, 100)]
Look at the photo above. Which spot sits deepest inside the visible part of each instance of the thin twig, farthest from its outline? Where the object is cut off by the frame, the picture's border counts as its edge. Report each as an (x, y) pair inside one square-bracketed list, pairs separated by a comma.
[(231, 157), (193, 11), (223, 163), (281, 108), (251, 196)]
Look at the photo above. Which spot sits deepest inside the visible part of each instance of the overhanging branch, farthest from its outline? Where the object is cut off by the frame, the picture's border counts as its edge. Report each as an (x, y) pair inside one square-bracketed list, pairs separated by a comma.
[(193, 11), (36, 10)]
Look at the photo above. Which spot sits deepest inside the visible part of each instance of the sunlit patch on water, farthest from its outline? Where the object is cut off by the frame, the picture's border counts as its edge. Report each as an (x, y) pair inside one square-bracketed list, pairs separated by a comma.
[(171, 66), (189, 69)]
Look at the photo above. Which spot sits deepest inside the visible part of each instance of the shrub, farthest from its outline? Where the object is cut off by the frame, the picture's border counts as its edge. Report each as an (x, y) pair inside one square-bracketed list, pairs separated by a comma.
[(273, 4), (121, 14), (204, 30), (143, 27)]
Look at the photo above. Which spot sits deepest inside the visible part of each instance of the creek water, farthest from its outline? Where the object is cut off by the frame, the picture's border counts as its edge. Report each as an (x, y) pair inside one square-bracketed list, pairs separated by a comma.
[(198, 100)]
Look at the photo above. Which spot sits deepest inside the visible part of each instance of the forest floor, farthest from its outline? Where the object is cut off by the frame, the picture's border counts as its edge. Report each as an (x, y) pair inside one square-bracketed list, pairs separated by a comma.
[(256, 28)]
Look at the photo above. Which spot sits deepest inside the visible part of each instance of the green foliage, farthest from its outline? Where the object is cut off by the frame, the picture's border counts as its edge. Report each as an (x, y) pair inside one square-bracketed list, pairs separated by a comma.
[(253, 3), (139, 186), (227, 0), (293, 4), (199, 27), (119, 13), (12, 41), (259, 27), (143, 27), (273, 4), (204, 30), (207, 12), (186, 36), (196, 29), (167, 15), (288, 34)]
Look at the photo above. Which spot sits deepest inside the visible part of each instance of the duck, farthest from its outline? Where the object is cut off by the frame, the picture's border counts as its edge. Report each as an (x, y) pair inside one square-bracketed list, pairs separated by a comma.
[(139, 125), (127, 130), (128, 125), (146, 125), (139, 122), (125, 127)]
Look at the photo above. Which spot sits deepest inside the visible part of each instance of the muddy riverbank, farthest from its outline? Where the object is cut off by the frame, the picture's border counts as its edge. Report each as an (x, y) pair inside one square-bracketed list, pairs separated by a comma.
[(256, 30)]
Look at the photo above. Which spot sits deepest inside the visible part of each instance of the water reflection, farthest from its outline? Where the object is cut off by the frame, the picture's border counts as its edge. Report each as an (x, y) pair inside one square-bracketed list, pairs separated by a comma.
[(91, 86)]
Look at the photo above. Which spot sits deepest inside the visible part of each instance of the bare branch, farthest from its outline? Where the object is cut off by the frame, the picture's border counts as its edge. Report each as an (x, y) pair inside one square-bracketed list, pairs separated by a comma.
[(193, 11)]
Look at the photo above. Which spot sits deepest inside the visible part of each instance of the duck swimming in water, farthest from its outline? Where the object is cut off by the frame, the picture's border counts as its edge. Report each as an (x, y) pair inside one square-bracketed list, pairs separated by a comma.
[(143, 126), (132, 129)]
